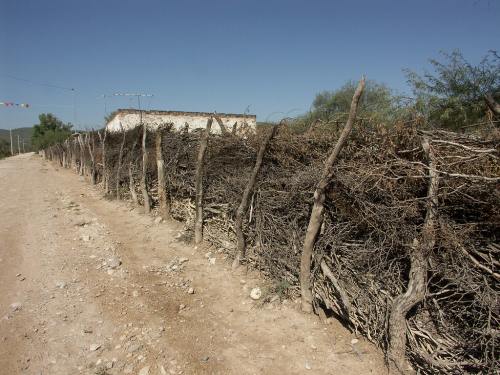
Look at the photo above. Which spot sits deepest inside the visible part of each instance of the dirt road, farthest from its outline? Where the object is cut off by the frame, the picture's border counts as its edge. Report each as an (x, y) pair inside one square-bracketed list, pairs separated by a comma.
[(90, 286)]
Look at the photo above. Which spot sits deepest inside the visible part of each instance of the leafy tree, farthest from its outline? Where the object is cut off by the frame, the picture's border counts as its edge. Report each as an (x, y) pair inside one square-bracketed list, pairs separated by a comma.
[(457, 93), (378, 104), (49, 131)]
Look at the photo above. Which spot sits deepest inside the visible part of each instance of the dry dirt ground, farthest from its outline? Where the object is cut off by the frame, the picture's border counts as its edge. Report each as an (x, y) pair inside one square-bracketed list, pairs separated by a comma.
[(68, 307)]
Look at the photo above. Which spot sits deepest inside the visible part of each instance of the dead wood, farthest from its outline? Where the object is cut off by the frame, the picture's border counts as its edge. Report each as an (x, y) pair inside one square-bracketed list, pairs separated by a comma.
[(243, 207), (492, 104), (102, 137), (163, 196), (198, 224), (223, 128), (419, 254), (316, 217), (91, 148), (120, 160), (144, 187)]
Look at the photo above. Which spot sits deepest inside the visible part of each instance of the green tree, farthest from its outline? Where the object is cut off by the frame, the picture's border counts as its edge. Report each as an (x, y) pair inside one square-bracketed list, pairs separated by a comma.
[(49, 131), (378, 102), (457, 93)]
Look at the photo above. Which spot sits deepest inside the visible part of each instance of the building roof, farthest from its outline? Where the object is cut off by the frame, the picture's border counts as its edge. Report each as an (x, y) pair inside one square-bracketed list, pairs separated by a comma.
[(121, 111)]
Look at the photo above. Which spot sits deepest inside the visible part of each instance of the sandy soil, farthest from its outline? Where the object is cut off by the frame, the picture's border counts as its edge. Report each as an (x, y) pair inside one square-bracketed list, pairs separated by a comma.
[(67, 307)]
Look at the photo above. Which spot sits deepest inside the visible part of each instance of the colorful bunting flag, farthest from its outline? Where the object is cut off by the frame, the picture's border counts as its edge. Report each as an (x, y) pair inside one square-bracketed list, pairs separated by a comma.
[(12, 104)]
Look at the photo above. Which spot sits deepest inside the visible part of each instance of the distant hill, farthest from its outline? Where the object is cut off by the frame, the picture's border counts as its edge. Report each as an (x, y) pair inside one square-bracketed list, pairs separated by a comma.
[(24, 133)]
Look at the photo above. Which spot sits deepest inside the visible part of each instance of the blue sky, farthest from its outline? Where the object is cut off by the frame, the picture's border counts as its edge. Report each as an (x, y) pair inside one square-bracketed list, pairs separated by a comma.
[(223, 56)]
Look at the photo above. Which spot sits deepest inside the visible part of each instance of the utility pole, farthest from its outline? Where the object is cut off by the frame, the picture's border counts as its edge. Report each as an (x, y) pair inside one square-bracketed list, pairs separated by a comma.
[(23, 147), (18, 145), (11, 146)]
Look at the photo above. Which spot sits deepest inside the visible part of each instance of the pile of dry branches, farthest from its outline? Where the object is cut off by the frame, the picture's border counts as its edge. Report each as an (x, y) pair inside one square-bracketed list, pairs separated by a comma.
[(395, 189)]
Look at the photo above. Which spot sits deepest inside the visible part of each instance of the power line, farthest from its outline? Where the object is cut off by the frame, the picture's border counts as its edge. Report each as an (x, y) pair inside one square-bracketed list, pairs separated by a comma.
[(72, 89), (39, 83)]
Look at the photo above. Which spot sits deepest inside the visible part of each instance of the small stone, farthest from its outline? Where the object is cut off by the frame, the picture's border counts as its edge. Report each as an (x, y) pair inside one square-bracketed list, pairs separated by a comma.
[(135, 293), (94, 347), (205, 359), (308, 366), (182, 260), (255, 293), (16, 306), (114, 262), (212, 261), (85, 238), (182, 307), (191, 291), (354, 341), (61, 284), (144, 371)]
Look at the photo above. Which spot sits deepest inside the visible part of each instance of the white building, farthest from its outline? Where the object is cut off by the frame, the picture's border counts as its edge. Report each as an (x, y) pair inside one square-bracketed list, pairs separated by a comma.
[(130, 118)]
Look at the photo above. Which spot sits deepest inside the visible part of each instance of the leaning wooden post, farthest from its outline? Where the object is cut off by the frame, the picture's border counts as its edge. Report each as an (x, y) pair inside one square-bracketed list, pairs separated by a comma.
[(91, 147), (316, 218), (73, 154), (102, 138), (223, 128), (131, 182), (144, 186), (163, 196), (119, 167), (243, 207), (419, 253), (82, 156), (198, 222), (64, 154)]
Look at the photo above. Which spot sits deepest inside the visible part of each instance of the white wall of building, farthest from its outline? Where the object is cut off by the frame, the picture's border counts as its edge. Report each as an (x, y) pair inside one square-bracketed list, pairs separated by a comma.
[(128, 121)]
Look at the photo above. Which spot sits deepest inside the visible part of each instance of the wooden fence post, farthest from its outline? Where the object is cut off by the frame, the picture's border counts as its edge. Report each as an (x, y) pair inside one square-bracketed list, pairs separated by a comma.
[(144, 186), (102, 138), (198, 222), (91, 147), (419, 253), (131, 182), (316, 218), (119, 167), (64, 154), (223, 128), (243, 207), (73, 154), (82, 155), (163, 196)]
